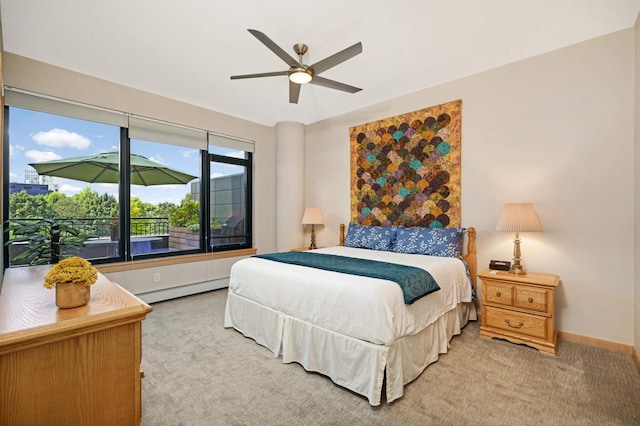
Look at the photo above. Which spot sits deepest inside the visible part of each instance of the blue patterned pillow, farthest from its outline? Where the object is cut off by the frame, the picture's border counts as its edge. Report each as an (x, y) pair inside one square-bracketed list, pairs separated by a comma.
[(370, 237), (446, 242)]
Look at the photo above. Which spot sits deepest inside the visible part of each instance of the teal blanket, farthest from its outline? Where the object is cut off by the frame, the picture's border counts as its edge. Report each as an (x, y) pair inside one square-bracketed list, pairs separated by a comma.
[(414, 282)]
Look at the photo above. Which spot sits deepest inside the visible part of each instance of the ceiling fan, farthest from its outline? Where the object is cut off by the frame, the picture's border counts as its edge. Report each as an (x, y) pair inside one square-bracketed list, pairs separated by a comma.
[(300, 73)]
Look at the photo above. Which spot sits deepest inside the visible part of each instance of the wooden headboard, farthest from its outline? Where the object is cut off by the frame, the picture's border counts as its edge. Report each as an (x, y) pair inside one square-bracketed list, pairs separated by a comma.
[(469, 256)]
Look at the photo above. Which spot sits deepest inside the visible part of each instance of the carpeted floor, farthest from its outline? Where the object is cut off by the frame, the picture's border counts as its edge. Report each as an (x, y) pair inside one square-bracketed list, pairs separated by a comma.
[(199, 373)]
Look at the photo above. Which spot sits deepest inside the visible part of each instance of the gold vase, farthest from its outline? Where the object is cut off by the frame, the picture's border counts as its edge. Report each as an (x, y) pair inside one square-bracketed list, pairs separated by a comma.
[(72, 295)]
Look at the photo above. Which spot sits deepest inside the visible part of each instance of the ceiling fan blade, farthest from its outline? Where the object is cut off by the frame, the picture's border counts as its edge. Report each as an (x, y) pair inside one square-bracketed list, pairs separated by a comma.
[(294, 92), (332, 84), (264, 74), (337, 58), (274, 48)]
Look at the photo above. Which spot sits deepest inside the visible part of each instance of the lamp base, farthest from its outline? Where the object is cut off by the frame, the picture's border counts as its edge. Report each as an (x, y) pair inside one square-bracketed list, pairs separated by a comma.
[(516, 267), (313, 239)]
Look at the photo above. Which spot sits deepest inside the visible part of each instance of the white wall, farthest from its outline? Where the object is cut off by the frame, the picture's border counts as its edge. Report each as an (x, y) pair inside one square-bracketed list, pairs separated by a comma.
[(46, 79), (289, 184), (556, 130), (637, 185)]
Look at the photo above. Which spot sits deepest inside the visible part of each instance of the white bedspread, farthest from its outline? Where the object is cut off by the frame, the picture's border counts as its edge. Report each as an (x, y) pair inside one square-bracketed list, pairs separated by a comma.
[(328, 299)]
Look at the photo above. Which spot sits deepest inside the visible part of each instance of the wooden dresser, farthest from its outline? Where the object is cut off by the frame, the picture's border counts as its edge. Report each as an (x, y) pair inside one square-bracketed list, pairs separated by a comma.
[(77, 366), (519, 308)]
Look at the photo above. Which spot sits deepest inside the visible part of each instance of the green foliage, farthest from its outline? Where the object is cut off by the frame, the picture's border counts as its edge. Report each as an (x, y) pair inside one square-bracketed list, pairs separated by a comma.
[(47, 240), (87, 203), (96, 205), (27, 206), (53, 197), (70, 207), (186, 214), (160, 209), (148, 210), (136, 207)]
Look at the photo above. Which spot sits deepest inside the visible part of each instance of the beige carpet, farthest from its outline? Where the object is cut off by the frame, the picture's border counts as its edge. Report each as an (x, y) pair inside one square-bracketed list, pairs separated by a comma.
[(199, 373)]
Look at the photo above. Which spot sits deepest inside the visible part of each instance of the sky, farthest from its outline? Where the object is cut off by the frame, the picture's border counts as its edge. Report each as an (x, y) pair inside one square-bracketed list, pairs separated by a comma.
[(36, 137)]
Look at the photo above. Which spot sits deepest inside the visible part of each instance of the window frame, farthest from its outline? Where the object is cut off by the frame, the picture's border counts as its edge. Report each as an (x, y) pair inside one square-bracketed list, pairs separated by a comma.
[(247, 163)]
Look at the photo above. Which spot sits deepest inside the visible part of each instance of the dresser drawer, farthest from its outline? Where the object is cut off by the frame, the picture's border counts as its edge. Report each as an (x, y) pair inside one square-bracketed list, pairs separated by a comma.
[(498, 293), (516, 322), (532, 298)]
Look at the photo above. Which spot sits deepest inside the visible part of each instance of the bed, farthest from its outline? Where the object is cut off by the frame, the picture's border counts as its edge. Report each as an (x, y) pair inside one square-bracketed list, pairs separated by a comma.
[(354, 329)]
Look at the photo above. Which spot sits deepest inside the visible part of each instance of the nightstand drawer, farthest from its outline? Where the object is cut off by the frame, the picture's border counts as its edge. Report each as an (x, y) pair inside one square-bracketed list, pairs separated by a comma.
[(531, 298), (516, 322), (501, 294)]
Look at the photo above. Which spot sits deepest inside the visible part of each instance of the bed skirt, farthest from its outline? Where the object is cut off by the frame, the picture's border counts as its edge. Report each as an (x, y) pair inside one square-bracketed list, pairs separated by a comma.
[(355, 364)]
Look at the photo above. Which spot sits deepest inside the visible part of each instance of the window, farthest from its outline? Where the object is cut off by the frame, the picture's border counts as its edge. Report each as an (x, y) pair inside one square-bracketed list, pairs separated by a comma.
[(132, 187), (229, 205), (65, 193), (164, 215)]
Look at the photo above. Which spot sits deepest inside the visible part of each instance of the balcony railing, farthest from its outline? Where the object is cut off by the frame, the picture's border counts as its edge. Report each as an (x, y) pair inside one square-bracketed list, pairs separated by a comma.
[(147, 235), (102, 226)]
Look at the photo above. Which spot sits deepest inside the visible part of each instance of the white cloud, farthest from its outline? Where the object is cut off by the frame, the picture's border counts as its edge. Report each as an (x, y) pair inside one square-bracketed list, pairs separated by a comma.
[(235, 154), (69, 189), (39, 156), (13, 149), (158, 160), (190, 153), (13, 176), (109, 188), (59, 138)]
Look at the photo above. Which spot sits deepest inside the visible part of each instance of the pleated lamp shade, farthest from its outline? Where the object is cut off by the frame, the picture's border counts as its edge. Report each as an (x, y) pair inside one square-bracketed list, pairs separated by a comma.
[(519, 217), (312, 216)]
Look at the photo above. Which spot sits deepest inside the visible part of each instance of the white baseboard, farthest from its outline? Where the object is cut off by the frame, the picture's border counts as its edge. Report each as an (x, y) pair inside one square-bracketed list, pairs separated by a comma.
[(185, 290)]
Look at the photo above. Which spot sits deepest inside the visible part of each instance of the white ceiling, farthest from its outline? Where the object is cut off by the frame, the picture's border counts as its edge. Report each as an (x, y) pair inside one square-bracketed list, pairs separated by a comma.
[(188, 49)]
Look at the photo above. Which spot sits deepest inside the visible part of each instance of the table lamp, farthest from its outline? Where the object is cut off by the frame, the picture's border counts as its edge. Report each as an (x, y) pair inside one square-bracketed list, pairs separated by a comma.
[(518, 217), (312, 216)]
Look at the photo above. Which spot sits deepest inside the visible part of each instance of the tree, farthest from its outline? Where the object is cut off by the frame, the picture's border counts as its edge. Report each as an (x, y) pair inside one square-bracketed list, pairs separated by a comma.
[(109, 205), (97, 205), (186, 214), (161, 209), (25, 206), (69, 207), (136, 207), (53, 197)]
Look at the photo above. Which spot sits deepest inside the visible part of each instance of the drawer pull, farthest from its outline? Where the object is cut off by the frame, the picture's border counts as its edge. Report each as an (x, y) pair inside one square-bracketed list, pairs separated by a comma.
[(520, 324), (498, 294), (530, 300)]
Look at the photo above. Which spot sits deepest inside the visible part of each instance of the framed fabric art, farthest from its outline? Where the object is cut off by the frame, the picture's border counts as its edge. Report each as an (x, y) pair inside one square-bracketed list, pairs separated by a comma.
[(405, 170)]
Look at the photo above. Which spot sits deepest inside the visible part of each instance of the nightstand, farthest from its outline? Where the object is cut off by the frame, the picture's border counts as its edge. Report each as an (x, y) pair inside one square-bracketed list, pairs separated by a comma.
[(519, 308), (302, 249)]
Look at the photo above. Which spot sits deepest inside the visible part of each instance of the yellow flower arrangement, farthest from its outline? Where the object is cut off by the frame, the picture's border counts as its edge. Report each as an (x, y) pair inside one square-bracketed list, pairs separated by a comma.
[(72, 269)]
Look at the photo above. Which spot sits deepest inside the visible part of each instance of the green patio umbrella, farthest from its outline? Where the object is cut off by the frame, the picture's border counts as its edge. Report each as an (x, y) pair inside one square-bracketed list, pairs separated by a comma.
[(103, 168)]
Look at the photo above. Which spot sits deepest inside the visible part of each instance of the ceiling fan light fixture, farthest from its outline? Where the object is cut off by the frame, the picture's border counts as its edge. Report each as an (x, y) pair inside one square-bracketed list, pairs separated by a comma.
[(300, 76), (299, 73)]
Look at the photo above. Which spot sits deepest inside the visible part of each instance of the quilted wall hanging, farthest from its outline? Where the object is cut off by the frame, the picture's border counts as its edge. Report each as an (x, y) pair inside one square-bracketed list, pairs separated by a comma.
[(405, 170)]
